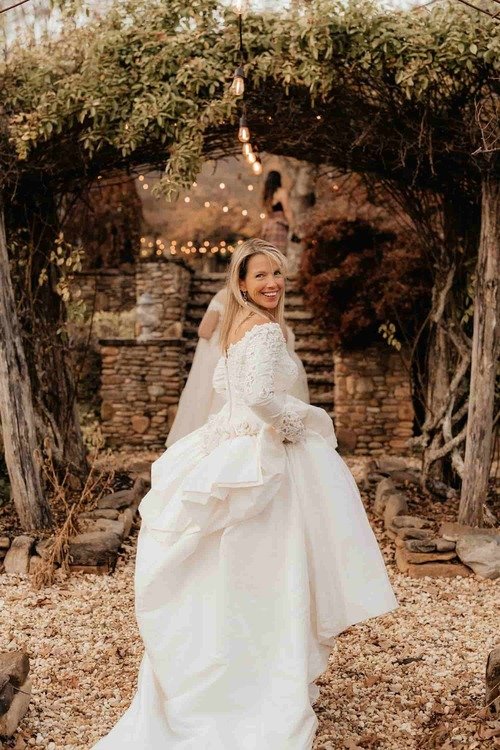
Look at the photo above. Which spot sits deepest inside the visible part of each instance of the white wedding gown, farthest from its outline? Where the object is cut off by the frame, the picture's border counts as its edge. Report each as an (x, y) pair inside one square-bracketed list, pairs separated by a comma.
[(199, 399), (254, 553)]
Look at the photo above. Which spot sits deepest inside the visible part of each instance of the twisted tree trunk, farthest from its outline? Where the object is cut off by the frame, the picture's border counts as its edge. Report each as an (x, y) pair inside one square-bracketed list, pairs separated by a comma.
[(16, 408), (485, 351)]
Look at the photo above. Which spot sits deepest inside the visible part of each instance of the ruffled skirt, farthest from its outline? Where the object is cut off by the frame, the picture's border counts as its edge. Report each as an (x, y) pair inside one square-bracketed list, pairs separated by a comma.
[(253, 556)]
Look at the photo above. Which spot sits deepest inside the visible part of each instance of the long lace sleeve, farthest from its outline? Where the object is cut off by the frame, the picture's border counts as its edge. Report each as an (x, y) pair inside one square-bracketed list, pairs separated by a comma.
[(264, 355)]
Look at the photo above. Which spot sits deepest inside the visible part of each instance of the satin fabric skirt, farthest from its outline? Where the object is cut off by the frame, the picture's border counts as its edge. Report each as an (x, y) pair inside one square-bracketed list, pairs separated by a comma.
[(252, 558)]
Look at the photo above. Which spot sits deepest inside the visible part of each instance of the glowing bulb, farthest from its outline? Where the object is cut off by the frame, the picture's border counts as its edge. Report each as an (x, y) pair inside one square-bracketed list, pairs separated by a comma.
[(225, 209), (257, 167), (262, 216), (202, 249), (240, 6), (141, 178), (250, 187), (335, 186), (193, 249), (187, 199), (244, 132), (223, 243), (206, 243), (174, 242), (190, 244), (247, 149), (158, 252), (145, 186), (222, 185), (143, 240), (195, 184), (158, 241), (251, 158), (238, 84), (244, 212), (150, 244), (207, 204), (240, 242), (173, 251)]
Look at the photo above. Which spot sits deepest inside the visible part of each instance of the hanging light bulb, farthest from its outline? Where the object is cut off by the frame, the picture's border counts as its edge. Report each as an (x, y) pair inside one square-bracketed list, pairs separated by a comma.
[(243, 132), (240, 6), (238, 84), (257, 167), (247, 149), (251, 158)]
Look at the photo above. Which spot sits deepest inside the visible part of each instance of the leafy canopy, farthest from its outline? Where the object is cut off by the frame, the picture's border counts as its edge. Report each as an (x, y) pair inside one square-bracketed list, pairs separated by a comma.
[(392, 93)]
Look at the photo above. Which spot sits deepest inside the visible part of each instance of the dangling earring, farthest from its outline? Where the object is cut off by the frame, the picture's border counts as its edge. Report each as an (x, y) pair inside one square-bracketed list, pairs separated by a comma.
[(245, 296)]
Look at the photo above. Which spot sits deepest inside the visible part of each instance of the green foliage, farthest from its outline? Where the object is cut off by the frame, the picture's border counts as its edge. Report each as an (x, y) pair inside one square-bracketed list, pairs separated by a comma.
[(149, 83)]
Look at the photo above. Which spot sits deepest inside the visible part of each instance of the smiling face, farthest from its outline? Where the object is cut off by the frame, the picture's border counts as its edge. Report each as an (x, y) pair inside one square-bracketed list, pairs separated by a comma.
[(264, 282)]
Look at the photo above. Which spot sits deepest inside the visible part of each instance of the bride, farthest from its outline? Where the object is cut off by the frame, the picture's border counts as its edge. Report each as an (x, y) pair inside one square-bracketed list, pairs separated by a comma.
[(254, 552), (199, 399)]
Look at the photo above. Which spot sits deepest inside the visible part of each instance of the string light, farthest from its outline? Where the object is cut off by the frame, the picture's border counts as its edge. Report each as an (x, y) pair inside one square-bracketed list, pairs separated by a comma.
[(244, 212), (250, 187), (207, 204), (251, 158), (195, 184), (246, 149), (238, 84), (262, 216), (222, 185), (141, 178), (145, 186), (206, 243), (240, 6), (187, 199), (225, 209), (257, 167), (244, 131)]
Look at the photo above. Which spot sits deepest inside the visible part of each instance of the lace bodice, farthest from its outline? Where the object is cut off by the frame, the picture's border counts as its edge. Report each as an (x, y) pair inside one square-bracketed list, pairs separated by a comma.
[(255, 375)]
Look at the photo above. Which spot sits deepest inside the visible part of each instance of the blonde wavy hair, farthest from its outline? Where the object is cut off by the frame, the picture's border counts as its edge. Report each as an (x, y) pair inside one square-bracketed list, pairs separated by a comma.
[(236, 306)]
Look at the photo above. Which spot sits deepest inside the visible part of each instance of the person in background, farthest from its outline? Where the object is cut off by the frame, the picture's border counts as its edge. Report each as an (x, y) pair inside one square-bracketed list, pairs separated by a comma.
[(279, 216), (199, 400)]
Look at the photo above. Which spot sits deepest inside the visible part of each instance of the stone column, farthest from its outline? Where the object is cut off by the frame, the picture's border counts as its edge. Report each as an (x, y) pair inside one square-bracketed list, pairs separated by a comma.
[(373, 404), (140, 388), (168, 283)]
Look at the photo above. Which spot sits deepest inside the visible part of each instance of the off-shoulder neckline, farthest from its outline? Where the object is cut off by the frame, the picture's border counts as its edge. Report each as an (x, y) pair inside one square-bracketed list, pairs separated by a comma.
[(250, 330)]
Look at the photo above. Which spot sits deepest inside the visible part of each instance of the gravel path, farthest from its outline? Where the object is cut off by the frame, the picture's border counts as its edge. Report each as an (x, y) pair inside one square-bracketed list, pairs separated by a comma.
[(390, 683)]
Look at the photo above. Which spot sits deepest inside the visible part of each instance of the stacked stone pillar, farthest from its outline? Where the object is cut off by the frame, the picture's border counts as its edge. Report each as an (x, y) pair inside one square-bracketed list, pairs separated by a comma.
[(373, 402), (140, 388), (142, 378), (168, 283)]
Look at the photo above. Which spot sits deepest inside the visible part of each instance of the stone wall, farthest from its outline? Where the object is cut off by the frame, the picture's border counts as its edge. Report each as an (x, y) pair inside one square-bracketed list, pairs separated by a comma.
[(168, 282), (372, 401), (114, 289), (140, 388)]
